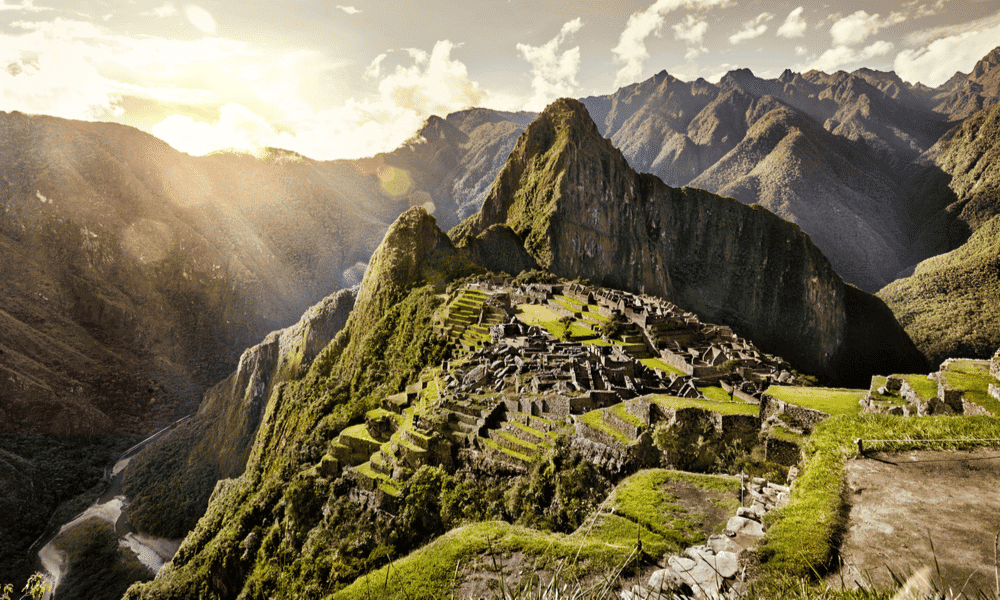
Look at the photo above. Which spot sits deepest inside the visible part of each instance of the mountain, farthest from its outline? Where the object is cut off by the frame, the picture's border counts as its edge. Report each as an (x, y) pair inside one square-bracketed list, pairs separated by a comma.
[(971, 93), (583, 212), (216, 442), (134, 276), (385, 442), (949, 304)]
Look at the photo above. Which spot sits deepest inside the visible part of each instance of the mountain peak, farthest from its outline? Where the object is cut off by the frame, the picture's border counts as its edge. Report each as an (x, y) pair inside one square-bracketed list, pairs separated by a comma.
[(986, 64)]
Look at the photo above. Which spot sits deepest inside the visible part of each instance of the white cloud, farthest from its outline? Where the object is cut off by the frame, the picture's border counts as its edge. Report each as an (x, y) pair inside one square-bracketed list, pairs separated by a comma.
[(167, 10), (374, 69), (842, 56), (801, 51), (794, 25), (25, 5), (553, 74), (855, 28), (926, 36), (690, 30), (934, 63), (752, 29), (631, 49), (349, 9), (200, 18), (434, 84)]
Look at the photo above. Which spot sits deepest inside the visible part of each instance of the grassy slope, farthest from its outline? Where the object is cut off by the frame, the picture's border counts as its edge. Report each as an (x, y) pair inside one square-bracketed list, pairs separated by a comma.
[(641, 507), (802, 536), (830, 401), (949, 305)]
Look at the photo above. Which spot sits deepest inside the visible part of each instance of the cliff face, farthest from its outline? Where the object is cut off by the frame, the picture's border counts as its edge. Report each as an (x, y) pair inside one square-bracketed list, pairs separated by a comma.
[(169, 482), (583, 212)]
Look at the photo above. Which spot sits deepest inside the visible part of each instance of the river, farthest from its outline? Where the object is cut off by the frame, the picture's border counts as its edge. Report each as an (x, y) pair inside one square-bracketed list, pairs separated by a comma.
[(112, 507)]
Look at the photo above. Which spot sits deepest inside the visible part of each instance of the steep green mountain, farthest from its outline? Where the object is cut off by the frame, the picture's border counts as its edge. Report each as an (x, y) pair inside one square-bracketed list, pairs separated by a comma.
[(583, 212), (967, 160), (274, 507), (949, 304)]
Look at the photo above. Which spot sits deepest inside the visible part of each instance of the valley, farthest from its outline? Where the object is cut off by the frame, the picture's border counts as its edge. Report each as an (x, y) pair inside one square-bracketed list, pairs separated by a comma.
[(607, 342)]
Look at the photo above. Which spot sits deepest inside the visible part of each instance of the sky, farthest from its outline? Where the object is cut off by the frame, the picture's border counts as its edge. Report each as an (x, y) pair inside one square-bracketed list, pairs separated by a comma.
[(348, 80)]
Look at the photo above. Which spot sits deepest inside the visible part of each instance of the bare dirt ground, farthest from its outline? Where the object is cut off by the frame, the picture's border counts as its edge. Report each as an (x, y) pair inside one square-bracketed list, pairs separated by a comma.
[(903, 505)]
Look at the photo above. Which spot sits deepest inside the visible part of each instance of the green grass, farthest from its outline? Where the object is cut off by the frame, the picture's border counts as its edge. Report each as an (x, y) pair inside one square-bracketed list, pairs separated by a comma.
[(973, 378), (655, 363), (642, 499), (533, 314), (832, 401), (716, 393), (780, 433), (512, 453), (924, 388), (359, 432), (528, 446), (800, 540), (725, 408), (595, 420), (430, 572), (619, 410)]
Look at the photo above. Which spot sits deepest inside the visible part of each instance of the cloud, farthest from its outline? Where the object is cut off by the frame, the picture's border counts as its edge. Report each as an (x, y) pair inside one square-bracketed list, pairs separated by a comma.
[(25, 5), (374, 69), (631, 49), (349, 9), (937, 61), (841, 56), (434, 84), (855, 28), (794, 25), (752, 29), (926, 36), (167, 10), (200, 18), (553, 74), (691, 30)]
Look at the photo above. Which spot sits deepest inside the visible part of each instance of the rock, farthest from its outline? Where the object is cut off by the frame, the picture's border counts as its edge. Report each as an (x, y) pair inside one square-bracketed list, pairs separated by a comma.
[(703, 580), (750, 513), (744, 526), (721, 543), (665, 580)]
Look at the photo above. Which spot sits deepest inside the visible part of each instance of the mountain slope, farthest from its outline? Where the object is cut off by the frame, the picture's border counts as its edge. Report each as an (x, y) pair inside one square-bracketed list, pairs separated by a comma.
[(978, 90), (949, 304), (583, 212)]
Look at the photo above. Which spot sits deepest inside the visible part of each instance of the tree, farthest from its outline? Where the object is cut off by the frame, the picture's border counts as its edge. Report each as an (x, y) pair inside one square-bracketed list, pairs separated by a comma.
[(566, 322), (728, 370), (35, 588)]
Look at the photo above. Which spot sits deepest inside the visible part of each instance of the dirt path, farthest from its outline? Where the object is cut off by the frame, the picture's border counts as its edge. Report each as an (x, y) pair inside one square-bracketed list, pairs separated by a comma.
[(902, 503)]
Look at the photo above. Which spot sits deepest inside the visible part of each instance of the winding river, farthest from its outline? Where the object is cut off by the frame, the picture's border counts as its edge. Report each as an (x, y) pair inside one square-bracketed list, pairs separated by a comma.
[(112, 507)]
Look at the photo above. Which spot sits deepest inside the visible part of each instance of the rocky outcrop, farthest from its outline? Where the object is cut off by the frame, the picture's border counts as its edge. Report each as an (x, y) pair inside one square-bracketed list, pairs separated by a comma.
[(500, 250), (583, 212), (170, 481)]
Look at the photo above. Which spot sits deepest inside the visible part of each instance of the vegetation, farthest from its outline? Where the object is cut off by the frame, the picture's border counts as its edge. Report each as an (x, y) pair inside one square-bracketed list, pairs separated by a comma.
[(948, 306), (803, 535), (832, 401), (98, 569)]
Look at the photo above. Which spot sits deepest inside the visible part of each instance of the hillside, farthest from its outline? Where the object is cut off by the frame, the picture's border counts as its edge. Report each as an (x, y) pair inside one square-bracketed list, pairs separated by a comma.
[(949, 304), (583, 212), (134, 276)]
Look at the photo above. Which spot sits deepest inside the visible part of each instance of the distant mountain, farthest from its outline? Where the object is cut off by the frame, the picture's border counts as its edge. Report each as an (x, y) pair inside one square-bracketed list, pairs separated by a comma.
[(968, 94), (134, 275), (948, 303), (830, 152), (582, 211)]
